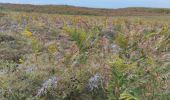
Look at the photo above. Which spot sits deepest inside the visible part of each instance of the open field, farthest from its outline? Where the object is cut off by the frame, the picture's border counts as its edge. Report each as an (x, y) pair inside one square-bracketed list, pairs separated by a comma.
[(78, 57), (72, 10)]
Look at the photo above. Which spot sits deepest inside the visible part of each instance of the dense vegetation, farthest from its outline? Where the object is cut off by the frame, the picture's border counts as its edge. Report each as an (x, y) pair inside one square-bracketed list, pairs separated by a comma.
[(71, 10), (73, 57)]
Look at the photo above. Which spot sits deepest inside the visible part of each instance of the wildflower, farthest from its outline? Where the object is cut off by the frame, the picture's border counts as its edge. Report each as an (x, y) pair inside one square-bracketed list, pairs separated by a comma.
[(115, 48), (21, 61), (28, 33), (94, 82), (50, 83), (52, 49)]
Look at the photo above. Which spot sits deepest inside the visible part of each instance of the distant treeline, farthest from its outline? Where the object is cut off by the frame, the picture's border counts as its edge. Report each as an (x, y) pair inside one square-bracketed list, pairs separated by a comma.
[(71, 10)]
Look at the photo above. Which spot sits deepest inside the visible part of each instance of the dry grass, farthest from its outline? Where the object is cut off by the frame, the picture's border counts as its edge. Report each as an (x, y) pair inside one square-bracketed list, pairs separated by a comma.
[(71, 10), (83, 57)]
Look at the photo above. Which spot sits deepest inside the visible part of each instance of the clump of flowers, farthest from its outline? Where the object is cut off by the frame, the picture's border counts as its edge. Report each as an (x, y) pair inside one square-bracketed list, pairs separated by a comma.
[(21, 61), (94, 82), (36, 46), (52, 49), (28, 33), (48, 84)]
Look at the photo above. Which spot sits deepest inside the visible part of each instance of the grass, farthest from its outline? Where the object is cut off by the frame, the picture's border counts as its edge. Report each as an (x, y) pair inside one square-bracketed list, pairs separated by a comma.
[(73, 57), (72, 10)]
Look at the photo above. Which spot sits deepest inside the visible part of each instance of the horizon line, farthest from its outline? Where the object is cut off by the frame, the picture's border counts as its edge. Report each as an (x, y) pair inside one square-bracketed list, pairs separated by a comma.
[(36, 4)]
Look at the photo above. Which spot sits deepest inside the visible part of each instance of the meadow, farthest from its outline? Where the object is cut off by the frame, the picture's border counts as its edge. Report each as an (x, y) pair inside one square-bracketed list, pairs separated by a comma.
[(79, 57)]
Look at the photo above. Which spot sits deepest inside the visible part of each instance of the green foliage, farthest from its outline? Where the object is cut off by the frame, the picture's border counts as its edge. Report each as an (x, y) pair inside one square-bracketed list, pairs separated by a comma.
[(35, 45), (127, 96), (119, 82), (121, 40), (8, 66), (80, 36)]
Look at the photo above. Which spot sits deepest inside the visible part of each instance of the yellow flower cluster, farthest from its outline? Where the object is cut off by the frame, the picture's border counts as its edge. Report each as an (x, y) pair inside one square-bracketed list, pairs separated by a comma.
[(52, 49), (21, 61), (28, 33)]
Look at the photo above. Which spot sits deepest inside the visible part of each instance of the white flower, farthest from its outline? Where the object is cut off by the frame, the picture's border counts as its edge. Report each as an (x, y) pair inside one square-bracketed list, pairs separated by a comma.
[(50, 83), (94, 82)]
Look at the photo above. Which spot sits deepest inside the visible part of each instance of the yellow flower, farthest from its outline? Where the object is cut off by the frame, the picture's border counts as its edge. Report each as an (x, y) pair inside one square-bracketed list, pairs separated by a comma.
[(28, 33), (52, 49), (21, 61)]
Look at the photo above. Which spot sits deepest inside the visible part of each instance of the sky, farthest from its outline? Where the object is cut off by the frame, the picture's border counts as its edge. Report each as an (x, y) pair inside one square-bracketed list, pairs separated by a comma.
[(98, 3)]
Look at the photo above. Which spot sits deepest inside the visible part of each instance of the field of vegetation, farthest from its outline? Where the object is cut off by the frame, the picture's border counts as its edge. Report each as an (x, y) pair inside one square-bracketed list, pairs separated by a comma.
[(72, 10), (78, 57)]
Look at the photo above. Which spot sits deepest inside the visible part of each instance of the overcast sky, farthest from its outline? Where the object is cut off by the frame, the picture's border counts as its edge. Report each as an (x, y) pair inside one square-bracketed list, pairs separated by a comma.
[(99, 3)]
